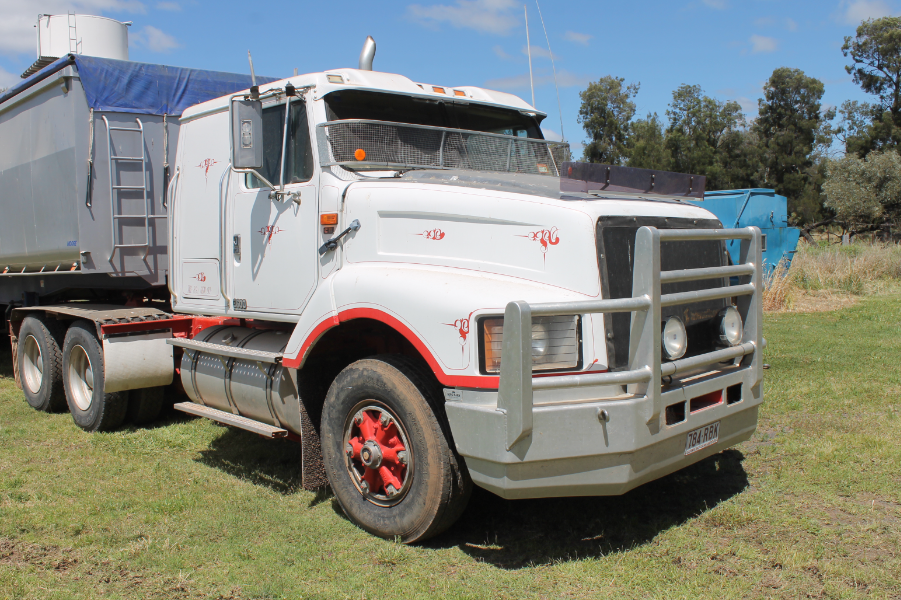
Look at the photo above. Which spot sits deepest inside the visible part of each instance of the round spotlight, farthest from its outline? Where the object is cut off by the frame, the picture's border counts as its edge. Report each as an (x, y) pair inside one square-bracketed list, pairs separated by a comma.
[(675, 339), (730, 326)]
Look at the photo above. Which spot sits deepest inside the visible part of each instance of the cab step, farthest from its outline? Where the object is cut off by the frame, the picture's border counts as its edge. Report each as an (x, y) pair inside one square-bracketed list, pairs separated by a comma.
[(229, 351), (238, 421)]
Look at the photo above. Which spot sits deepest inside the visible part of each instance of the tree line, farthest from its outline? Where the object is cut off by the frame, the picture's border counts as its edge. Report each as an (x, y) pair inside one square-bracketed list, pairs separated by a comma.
[(789, 145)]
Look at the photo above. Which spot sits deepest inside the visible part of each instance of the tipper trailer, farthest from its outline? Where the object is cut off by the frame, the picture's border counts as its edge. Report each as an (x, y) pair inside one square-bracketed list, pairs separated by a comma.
[(407, 279)]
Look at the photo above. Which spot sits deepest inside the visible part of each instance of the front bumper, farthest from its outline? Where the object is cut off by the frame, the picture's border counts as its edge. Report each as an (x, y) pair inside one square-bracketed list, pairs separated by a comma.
[(548, 436), (572, 452)]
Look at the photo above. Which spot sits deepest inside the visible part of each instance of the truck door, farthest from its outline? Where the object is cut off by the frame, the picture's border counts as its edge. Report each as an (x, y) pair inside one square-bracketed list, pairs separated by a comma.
[(274, 259)]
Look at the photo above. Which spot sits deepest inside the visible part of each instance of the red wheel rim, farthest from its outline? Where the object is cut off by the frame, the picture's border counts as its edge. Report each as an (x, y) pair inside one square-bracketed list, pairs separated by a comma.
[(377, 454)]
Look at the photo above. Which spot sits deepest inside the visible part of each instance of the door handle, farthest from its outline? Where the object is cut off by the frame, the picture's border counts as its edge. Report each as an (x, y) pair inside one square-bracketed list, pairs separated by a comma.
[(333, 243)]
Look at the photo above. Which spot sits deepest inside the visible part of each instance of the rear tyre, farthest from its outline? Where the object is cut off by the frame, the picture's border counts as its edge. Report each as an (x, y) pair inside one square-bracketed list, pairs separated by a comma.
[(144, 405), (91, 408), (387, 450), (40, 363)]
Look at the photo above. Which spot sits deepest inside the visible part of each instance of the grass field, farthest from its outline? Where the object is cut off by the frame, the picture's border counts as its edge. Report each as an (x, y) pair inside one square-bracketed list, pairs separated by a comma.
[(809, 508)]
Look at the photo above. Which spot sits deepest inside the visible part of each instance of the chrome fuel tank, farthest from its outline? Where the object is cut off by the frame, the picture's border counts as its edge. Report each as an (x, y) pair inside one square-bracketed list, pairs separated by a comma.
[(259, 391)]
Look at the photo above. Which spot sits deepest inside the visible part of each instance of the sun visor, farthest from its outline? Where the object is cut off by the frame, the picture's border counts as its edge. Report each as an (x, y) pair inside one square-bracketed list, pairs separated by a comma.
[(613, 180)]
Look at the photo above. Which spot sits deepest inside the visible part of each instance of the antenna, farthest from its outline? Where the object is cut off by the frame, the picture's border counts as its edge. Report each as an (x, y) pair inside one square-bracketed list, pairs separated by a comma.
[(529, 51), (559, 109), (254, 88), (253, 77)]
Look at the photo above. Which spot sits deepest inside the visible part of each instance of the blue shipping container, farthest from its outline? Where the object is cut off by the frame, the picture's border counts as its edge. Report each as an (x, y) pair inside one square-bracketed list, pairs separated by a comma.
[(761, 208)]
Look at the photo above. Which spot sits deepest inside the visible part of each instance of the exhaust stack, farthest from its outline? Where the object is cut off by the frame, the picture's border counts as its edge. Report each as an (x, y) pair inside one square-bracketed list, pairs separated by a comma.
[(367, 54)]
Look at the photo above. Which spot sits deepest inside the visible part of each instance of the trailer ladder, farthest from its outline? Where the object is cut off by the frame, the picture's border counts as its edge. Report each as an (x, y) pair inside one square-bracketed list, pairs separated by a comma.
[(73, 34), (116, 190)]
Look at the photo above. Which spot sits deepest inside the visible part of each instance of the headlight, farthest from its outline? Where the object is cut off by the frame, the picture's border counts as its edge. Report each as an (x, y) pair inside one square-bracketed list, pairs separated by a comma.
[(555, 343), (675, 339), (730, 326)]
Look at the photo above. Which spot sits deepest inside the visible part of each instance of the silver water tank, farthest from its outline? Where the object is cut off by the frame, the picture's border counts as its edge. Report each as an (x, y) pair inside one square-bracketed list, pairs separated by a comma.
[(89, 35)]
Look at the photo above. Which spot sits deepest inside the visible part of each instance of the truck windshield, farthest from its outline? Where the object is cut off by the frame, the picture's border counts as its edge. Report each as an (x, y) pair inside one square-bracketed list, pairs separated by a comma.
[(397, 108)]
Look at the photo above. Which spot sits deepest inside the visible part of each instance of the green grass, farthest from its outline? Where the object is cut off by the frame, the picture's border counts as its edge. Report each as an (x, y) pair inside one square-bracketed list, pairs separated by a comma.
[(809, 508)]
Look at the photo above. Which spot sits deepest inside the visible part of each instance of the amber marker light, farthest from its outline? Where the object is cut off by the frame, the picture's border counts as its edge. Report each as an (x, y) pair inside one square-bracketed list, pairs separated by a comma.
[(438, 90), (459, 93), (360, 154), (328, 219), (493, 340)]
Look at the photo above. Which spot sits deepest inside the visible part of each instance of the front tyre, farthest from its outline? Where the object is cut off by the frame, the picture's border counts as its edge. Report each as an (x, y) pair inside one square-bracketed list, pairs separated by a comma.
[(91, 408), (387, 456)]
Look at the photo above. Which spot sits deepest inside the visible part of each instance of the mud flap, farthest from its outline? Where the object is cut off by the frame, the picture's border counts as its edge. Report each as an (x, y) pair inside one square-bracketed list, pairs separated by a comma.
[(14, 343), (312, 469)]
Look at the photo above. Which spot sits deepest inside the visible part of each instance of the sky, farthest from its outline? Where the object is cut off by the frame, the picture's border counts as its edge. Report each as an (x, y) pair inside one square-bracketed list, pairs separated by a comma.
[(728, 47)]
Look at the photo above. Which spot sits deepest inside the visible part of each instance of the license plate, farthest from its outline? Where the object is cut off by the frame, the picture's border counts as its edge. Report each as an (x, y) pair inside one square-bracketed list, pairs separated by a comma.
[(701, 438)]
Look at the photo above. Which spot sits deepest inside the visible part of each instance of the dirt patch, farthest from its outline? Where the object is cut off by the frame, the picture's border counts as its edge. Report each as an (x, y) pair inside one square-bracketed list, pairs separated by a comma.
[(49, 558), (821, 301)]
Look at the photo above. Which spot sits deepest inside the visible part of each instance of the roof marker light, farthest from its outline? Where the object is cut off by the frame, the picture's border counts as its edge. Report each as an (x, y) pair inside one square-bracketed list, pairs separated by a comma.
[(438, 90), (459, 93), (335, 79)]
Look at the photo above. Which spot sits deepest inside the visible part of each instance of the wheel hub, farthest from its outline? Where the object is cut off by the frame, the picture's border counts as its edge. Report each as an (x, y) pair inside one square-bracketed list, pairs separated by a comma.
[(377, 455), (33, 365), (81, 378), (371, 454)]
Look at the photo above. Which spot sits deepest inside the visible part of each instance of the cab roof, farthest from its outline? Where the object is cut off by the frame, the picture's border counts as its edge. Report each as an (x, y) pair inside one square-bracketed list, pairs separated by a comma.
[(345, 79)]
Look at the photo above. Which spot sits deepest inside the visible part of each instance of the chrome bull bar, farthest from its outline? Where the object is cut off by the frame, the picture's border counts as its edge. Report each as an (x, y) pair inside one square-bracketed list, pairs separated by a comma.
[(646, 368)]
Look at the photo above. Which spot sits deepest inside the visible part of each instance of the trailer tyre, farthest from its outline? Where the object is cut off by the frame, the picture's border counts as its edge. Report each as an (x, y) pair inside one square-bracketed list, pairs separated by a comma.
[(91, 408), (40, 363), (144, 405), (388, 452)]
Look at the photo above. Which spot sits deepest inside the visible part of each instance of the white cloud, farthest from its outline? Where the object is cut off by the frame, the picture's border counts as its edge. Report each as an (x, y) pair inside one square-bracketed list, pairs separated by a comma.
[(485, 16), (550, 134), (17, 34), (852, 12), (717, 4), (578, 38), (748, 106), (760, 43), (501, 53), (170, 6), (521, 82), (786, 23), (538, 52), (7, 79), (153, 39)]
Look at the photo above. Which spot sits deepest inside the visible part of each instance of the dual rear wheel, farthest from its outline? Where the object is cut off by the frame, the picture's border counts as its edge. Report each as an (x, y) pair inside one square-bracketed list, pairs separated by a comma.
[(62, 368)]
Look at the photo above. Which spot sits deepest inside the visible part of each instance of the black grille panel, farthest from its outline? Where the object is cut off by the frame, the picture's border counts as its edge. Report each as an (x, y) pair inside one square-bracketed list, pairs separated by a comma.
[(616, 257)]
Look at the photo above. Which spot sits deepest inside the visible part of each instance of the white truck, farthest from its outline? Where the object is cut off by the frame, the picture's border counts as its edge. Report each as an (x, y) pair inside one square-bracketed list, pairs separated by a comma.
[(408, 280)]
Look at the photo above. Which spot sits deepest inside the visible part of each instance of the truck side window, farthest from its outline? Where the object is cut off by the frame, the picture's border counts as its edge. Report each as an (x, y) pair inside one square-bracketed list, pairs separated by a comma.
[(299, 159), (273, 129)]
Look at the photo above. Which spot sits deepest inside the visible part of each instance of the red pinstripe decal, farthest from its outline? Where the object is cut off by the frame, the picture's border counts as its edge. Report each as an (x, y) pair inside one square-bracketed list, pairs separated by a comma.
[(472, 381)]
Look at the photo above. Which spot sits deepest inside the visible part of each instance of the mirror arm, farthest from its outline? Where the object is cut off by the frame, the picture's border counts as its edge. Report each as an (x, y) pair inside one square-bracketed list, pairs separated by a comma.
[(273, 191), (258, 176), (281, 176)]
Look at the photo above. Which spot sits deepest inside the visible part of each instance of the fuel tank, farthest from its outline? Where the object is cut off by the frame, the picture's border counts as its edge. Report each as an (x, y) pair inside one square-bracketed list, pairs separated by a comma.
[(260, 391)]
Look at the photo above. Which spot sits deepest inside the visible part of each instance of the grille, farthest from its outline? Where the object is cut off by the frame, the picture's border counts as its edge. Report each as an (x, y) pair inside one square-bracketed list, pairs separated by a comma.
[(616, 258), (397, 145)]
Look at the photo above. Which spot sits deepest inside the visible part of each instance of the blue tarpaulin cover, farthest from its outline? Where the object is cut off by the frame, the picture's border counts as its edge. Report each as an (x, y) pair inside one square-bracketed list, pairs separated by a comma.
[(143, 88)]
